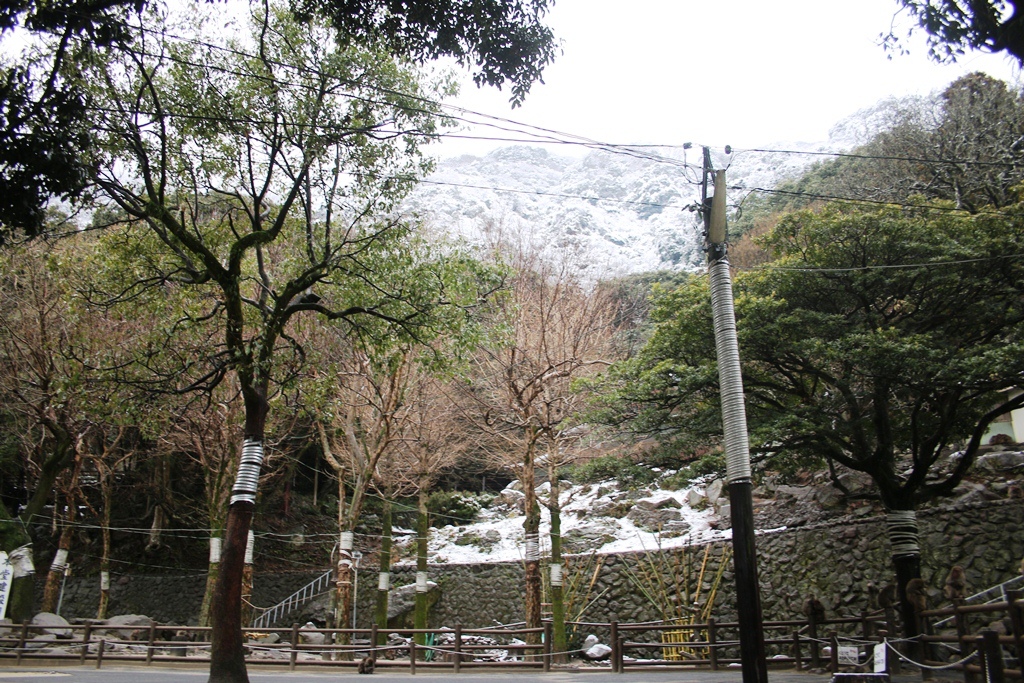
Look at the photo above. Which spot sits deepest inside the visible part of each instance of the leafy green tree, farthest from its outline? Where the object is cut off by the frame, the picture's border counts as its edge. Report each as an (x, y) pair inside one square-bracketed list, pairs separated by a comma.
[(963, 145), (876, 341), (954, 26), (46, 140), (259, 176)]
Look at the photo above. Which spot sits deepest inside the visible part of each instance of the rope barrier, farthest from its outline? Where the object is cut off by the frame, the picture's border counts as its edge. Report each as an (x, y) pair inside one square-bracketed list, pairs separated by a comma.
[(940, 667)]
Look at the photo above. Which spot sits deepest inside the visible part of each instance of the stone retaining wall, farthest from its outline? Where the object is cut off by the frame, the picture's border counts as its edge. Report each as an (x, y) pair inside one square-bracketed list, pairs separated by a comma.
[(834, 561)]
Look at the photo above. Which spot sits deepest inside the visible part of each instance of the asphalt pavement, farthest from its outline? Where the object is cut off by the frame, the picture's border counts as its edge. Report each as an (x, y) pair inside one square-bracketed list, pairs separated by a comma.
[(141, 674)]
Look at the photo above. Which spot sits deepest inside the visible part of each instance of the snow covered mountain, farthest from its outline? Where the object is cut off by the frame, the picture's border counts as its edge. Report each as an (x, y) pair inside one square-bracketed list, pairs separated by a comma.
[(630, 210)]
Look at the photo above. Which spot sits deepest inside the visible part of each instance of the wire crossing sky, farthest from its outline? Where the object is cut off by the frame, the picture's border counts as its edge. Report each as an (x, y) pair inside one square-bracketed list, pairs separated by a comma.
[(743, 72)]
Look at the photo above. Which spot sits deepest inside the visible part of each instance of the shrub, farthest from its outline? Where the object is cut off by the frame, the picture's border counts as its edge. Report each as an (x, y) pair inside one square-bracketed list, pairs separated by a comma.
[(456, 507)]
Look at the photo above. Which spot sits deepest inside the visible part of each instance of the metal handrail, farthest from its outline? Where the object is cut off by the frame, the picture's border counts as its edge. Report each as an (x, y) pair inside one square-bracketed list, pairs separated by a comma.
[(311, 590), (1000, 595)]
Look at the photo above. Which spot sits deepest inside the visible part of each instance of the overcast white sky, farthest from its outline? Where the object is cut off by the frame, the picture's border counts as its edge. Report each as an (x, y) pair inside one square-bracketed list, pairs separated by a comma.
[(739, 72)]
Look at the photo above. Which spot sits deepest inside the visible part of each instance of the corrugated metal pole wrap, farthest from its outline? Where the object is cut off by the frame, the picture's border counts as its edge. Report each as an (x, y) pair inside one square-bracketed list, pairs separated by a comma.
[(734, 424), (248, 478), (730, 379)]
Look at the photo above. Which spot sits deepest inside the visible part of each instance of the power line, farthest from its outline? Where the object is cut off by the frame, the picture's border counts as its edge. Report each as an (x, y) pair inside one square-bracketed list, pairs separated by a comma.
[(885, 157), (872, 202)]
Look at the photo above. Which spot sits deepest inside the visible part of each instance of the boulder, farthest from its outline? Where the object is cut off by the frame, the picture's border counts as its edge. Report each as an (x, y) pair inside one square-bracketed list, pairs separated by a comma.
[(484, 541), (587, 538), (402, 603), (130, 622), (713, 491), (309, 636), (52, 624), (652, 519)]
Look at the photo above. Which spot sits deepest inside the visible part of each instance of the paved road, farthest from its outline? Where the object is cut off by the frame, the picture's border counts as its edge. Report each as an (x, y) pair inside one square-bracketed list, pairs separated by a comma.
[(124, 674)]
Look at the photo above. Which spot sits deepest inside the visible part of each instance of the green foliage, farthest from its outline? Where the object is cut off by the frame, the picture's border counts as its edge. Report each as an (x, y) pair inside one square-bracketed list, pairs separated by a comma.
[(456, 507), (955, 27), (621, 468), (872, 336)]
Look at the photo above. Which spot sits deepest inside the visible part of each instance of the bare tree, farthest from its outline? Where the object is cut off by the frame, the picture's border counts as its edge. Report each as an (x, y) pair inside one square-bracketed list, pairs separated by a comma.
[(557, 328)]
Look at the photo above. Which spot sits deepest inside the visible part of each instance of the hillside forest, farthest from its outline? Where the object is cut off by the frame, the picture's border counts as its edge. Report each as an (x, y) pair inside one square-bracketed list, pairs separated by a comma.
[(237, 309)]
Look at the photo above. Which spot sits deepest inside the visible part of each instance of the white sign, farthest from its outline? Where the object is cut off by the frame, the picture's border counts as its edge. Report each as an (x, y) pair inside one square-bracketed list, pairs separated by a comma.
[(849, 655), (880, 653), (6, 576)]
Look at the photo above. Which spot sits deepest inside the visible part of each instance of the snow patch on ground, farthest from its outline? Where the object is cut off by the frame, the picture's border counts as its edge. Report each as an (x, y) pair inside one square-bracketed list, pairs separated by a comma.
[(583, 519)]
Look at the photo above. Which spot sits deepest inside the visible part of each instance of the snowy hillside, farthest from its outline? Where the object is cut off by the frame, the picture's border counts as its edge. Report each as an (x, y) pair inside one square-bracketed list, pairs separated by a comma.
[(629, 210)]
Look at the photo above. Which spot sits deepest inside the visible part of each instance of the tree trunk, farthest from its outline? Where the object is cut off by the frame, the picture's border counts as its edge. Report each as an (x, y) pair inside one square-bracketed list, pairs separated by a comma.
[(212, 571), (20, 605), (51, 592), (108, 501), (343, 572), (558, 639), (227, 650), (384, 581), (422, 533), (906, 559), (531, 527), (247, 608)]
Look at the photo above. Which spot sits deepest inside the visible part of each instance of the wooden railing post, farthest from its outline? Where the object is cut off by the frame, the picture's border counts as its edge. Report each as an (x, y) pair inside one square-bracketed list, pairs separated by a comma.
[(294, 655), (613, 627), (149, 643), (85, 642), (21, 641), (620, 653), (412, 655), (865, 624), (966, 643), (713, 644), (546, 656), (458, 648), (99, 653), (812, 633), (833, 655), (798, 661), (991, 657)]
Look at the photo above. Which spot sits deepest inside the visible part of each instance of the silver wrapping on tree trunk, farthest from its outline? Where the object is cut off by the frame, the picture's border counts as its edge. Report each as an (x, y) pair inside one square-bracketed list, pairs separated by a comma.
[(248, 478), (903, 535)]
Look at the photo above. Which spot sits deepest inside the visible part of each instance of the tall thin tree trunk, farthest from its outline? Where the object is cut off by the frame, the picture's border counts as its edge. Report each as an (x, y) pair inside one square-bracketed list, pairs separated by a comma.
[(384, 580), (212, 571), (51, 592), (422, 533), (531, 556), (108, 501), (343, 573), (247, 607), (558, 639)]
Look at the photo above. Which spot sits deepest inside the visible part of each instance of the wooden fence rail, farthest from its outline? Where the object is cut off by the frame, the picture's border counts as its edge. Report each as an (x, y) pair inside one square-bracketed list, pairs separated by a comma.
[(798, 643)]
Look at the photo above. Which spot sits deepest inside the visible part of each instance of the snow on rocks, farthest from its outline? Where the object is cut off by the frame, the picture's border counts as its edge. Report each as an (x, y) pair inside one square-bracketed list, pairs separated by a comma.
[(595, 518)]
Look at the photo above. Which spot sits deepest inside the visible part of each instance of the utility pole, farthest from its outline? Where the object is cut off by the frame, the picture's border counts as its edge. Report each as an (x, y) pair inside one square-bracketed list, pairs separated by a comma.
[(734, 422)]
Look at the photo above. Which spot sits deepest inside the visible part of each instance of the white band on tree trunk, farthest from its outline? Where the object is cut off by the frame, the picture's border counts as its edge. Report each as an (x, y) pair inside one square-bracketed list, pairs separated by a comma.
[(214, 549), (556, 575), (104, 581), (60, 561), (384, 581), (532, 547), (347, 541), (903, 535), (421, 582), (250, 544), (21, 562), (248, 478)]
